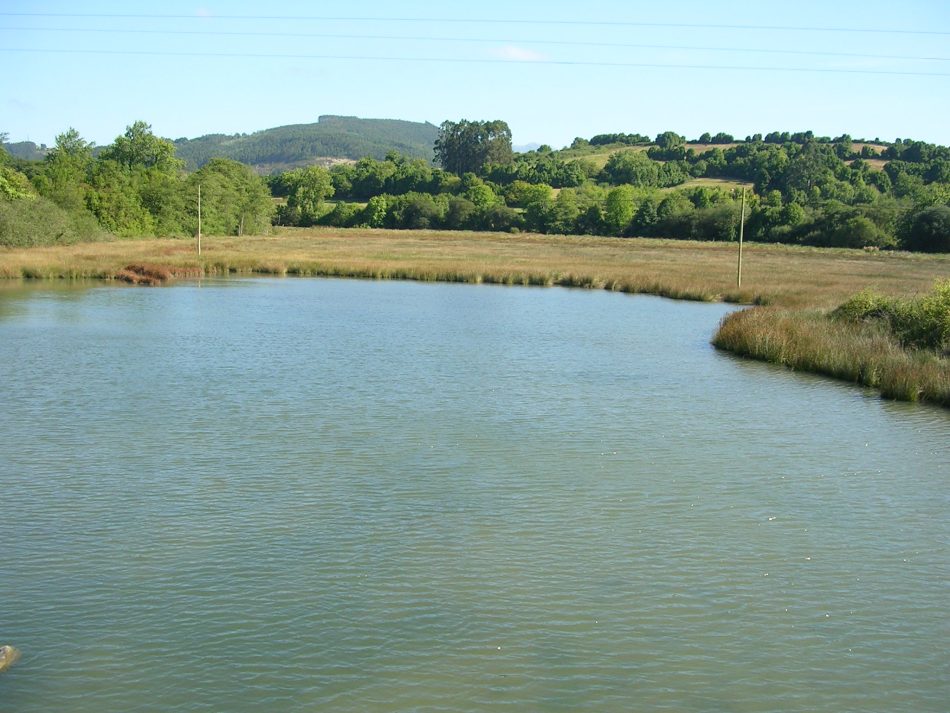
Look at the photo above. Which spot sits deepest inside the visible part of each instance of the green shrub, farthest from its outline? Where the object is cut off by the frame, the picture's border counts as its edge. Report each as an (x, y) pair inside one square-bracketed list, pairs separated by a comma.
[(923, 322), (30, 223)]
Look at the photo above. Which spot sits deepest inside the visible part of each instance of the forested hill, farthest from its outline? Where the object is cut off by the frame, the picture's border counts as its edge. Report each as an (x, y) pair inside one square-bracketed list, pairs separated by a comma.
[(26, 150), (332, 137)]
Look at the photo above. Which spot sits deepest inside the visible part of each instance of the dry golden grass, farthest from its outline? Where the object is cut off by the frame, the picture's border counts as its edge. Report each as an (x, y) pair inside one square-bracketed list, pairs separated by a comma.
[(859, 146), (787, 276), (875, 164), (703, 148), (727, 183), (806, 340)]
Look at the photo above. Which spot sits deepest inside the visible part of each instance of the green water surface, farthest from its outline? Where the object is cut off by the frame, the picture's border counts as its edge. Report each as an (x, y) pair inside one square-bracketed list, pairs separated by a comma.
[(322, 495)]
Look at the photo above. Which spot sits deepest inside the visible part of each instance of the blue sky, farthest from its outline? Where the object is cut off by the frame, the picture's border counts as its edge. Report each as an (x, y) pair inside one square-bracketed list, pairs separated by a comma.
[(553, 70)]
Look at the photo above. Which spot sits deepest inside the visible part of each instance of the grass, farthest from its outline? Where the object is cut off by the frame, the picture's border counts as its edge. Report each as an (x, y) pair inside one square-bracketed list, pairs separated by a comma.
[(801, 284), (866, 354), (726, 183), (772, 274)]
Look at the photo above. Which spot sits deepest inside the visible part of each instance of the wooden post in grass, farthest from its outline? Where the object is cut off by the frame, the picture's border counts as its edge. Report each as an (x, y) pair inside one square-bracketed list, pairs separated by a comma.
[(741, 226), (199, 219)]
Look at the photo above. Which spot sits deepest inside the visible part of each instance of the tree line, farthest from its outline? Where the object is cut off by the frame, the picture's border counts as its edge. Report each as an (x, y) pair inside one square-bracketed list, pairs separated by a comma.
[(805, 189), (136, 186)]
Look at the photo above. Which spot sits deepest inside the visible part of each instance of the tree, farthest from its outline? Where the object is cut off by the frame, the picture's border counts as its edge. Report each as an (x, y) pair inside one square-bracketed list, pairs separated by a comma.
[(234, 200), (139, 147), (619, 209), (631, 167), (670, 140), (309, 187), (522, 193), (14, 185), (469, 146), (64, 178), (928, 230)]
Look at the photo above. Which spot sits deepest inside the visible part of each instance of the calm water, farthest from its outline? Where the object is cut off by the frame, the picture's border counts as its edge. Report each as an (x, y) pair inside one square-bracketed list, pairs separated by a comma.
[(303, 495)]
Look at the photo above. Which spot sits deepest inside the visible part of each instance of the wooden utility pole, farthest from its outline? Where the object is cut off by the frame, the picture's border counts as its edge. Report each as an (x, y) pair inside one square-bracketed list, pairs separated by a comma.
[(199, 219), (741, 226)]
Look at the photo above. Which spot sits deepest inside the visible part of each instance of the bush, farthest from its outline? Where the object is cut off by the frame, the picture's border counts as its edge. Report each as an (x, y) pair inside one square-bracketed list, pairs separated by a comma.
[(32, 223), (923, 323), (343, 215), (928, 230)]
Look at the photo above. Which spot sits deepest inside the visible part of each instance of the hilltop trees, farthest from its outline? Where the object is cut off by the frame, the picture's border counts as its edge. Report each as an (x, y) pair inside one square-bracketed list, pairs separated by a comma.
[(468, 146)]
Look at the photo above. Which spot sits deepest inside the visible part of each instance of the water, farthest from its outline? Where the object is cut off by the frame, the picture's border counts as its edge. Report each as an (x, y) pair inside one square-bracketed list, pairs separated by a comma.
[(318, 495)]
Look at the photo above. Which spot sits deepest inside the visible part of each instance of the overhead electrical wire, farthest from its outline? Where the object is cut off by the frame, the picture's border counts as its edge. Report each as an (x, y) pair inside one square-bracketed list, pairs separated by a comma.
[(476, 40), (457, 60), (488, 21)]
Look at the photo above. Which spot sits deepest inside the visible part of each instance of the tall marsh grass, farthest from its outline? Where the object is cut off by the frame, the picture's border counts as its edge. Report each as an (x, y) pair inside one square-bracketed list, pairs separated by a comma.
[(860, 352), (920, 322)]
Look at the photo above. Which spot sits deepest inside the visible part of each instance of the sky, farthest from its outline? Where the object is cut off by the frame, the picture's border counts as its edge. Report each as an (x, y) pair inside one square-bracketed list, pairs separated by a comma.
[(554, 70)]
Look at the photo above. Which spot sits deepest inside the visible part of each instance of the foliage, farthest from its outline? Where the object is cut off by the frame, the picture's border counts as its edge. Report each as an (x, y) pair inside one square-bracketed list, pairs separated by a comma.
[(469, 146), (14, 185), (134, 187), (637, 169), (625, 139), (807, 189), (539, 168), (928, 229), (39, 221), (307, 188), (234, 200), (923, 322), (138, 147)]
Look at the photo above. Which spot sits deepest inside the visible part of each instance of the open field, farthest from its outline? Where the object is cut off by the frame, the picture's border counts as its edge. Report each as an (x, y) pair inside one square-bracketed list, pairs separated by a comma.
[(725, 183), (772, 274), (875, 164)]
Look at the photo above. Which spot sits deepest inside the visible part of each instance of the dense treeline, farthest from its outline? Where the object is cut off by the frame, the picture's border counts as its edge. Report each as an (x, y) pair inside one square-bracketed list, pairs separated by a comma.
[(134, 187), (805, 189)]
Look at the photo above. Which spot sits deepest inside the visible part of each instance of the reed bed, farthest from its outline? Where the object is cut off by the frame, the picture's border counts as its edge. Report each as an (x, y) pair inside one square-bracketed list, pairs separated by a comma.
[(860, 352)]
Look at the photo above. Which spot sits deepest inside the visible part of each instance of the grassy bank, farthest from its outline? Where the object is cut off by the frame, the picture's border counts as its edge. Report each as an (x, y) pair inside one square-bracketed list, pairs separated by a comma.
[(801, 284), (780, 275), (862, 353)]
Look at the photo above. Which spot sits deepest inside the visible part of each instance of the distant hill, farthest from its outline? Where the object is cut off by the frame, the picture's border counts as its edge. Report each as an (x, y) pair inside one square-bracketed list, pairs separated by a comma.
[(331, 139), (26, 150)]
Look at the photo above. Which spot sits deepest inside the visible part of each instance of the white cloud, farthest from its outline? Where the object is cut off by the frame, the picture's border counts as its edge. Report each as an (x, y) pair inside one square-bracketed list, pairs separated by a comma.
[(513, 53)]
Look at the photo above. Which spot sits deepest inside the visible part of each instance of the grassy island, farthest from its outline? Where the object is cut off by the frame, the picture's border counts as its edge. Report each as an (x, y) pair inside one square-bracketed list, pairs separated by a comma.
[(797, 289)]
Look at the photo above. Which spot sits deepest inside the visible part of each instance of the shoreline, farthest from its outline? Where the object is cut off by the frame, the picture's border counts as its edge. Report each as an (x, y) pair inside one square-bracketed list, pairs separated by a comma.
[(791, 289)]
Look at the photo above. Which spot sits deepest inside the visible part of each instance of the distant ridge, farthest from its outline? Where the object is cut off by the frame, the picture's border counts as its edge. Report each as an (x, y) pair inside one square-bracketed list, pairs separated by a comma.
[(331, 140), (27, 150)]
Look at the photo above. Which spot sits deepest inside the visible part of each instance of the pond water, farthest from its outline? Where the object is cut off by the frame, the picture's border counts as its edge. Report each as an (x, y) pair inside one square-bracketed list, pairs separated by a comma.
[(326, 495)]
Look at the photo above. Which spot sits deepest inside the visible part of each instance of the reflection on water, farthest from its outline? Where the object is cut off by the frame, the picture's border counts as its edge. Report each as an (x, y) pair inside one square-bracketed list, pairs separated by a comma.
[(371, 496)]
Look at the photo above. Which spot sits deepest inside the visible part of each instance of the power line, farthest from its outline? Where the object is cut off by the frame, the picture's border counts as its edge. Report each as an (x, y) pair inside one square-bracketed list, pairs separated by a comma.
[(479, 40), (457, 60), (486, 21)]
